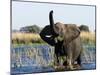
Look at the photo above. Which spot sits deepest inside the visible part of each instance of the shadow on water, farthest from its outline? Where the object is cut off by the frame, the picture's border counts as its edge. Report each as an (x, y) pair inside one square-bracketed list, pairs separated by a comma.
[(35, 59)]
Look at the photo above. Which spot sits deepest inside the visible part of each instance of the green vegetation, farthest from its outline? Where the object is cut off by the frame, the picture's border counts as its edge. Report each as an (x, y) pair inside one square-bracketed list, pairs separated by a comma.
[(84, 28), (31, 29)]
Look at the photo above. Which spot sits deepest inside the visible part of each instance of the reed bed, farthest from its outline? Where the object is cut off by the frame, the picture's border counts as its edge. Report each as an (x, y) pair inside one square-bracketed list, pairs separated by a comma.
[(88, 37), (26, 38)]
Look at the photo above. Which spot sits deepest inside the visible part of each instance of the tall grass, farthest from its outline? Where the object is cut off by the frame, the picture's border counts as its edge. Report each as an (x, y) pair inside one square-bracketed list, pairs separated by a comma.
[(88, 37), (27, 38)]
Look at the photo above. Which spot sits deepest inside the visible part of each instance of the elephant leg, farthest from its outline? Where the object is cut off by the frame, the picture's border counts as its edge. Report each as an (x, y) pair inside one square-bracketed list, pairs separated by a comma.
[(59, 50), (69, 61), (69, 64), (79, 60), (78, 65), (56, 57), (75, 66), (56, 62)]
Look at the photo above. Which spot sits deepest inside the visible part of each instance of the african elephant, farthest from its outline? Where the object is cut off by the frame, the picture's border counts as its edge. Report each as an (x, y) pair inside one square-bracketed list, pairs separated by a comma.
[(70, 46), (71, 41)]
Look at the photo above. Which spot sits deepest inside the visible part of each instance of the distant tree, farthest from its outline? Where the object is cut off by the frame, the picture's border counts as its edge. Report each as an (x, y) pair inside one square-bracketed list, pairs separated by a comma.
[(15, 30), (30, 29), (84, 28)]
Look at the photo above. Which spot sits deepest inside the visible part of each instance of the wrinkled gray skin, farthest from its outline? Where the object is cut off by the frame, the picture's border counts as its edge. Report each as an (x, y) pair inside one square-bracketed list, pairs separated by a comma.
[(71, 41)]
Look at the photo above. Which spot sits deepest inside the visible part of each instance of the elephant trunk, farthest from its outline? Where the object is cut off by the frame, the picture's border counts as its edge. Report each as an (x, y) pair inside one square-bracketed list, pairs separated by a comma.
[(52, 23)]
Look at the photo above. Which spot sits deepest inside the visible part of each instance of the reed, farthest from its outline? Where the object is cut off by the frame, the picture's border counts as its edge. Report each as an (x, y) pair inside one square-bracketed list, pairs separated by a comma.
[(88, 37), (26, 38)]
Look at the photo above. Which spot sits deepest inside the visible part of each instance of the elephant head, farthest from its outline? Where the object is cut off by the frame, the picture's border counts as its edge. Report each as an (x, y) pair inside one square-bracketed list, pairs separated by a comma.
[(67, 31)]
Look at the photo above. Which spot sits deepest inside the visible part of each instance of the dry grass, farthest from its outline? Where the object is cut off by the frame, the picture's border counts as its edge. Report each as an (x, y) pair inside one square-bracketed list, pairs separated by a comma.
[(25, 38), (87, 37)]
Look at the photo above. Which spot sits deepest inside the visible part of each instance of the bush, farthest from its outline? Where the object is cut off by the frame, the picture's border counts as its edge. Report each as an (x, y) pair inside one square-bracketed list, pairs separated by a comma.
[(30, 29), (84, 28)]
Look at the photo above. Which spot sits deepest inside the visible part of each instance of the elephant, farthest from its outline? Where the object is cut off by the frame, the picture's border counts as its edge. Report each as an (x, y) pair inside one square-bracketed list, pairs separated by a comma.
[(71, 41), (69, 46)]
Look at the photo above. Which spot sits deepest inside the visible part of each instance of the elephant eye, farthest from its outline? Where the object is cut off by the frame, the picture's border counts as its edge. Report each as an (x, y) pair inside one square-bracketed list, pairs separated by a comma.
[(57, 27)]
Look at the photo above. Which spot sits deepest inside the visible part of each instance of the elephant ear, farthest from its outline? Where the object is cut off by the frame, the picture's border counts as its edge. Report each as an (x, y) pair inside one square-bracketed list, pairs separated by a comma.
[(71, 32)]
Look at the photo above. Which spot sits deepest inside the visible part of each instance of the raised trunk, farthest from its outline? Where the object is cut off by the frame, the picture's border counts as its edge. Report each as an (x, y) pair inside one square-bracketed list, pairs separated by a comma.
[(52, 23)]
